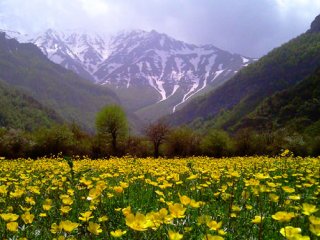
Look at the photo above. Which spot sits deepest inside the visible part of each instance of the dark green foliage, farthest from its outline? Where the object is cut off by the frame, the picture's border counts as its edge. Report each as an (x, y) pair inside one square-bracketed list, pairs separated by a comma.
[(297, 109), (112, 126), (15, 143), (182, 142), (75, 99), (54, 140), (138, 147), (19, 111), (217, 143)]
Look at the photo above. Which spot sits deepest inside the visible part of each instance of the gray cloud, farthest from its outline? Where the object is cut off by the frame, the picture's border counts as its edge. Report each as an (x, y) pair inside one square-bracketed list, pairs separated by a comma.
[(250, 27)]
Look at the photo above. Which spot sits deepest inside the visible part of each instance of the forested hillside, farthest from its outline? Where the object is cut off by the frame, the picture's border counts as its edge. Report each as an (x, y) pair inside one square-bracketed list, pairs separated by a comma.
[(282, 68), (19, 111), (75, 99)]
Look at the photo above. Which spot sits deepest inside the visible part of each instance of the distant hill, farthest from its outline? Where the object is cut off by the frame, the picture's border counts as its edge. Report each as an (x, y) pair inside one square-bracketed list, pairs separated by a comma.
[(26, 68), (230, 105), (19, 111), (296, 108)]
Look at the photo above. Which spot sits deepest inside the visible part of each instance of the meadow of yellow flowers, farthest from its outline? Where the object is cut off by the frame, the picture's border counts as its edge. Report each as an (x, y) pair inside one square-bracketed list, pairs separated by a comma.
[(129, 198)]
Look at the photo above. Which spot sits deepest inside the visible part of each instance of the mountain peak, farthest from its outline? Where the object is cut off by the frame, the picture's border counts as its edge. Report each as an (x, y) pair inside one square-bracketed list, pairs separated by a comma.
[(315, 25)]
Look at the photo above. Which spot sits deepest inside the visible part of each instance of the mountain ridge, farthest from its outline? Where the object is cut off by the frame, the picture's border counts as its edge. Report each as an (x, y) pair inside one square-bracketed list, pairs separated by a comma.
[(227, 106), (163, 73), (25, 67)]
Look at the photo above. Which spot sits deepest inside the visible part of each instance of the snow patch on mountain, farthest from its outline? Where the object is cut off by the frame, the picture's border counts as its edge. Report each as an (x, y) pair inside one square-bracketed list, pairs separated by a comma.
[(139, 59)]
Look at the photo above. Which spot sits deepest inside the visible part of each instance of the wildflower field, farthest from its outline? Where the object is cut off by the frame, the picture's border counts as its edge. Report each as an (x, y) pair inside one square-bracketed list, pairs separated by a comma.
[(194, 198)]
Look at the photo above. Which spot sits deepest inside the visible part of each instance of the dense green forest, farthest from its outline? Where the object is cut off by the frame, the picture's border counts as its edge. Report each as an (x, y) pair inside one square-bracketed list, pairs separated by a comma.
[(19, 111)]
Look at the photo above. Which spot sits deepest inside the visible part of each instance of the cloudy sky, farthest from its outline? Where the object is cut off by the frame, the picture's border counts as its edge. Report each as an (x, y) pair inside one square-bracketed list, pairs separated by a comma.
[(249, 27)]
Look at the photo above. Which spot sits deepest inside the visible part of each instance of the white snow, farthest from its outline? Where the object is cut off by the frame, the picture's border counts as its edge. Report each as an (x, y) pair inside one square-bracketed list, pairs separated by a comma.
[(159, 86), (195, 61), (217, 74), (245, 60), (162, 41), (57, 58)]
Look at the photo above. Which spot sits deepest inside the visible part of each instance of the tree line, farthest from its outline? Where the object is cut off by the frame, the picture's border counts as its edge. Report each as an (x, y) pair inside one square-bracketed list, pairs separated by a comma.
[(112, 138)]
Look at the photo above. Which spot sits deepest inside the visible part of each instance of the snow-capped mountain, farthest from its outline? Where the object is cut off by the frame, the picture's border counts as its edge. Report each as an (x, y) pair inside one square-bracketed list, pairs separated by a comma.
[(146, 69)]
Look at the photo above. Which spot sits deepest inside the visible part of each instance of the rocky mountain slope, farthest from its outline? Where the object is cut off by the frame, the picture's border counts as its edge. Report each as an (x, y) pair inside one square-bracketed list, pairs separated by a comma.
[(152, 73), (245, 99)]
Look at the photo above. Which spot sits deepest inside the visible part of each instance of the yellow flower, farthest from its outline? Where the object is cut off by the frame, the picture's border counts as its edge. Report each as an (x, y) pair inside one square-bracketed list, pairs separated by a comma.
[(67, 201), (3, 190), (30, 201), (213, 237), (137, 222), (195, 204), (185, 200), (177, 210), (17, 193), (292, 233), (273, 197), (283, 216), (124, 184), (288, 189), (257, 219), (86, 216), (117, 233), (294, 197), (192, 177), (174, 235), (47, 205), (213, 225), (68, 226), (9, 217), (27, 217), (118, 189), (236, 208), (315, 229), (249, 207), (25, 209), (261, 176), (65, 209), (94, 193), (55, 228), (126, 211), (94, 228), (159, 193), (289, 231), (314, 220), (103, 219), (12, 226), (308, 209)]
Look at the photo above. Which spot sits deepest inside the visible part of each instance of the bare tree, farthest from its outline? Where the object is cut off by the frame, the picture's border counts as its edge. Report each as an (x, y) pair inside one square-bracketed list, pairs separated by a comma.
[(157, 132)]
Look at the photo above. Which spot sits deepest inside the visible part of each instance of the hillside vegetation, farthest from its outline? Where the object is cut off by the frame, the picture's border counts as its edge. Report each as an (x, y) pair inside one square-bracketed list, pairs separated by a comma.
[(75, 99), (19, 111), (281, 69)]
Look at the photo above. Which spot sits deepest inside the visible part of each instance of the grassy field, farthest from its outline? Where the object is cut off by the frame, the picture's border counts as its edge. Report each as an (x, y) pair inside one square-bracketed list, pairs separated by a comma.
[(128, 198)]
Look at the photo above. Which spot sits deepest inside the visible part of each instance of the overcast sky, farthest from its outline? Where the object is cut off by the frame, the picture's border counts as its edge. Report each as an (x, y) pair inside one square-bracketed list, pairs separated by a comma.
[(249, 27)]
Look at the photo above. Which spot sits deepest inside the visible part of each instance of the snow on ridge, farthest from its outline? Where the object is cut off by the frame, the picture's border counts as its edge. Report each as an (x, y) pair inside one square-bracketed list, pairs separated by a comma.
[(159, 86), (245, 60)]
